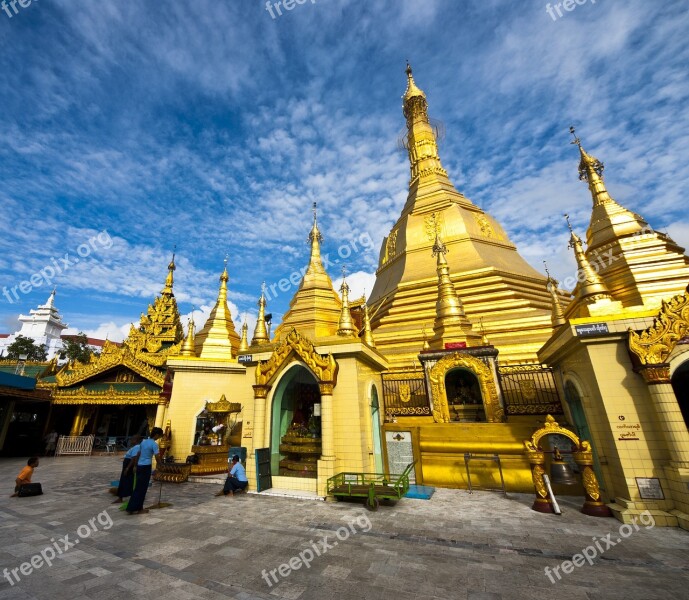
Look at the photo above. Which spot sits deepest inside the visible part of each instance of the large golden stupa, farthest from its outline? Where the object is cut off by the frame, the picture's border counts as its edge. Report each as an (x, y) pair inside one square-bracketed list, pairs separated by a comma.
[(503, 296)]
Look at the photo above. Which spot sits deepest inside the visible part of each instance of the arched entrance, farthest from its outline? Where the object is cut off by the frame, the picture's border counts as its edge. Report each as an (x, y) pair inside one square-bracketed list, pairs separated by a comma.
[(680, 384), (295, 434), (375, 424), (576, 409), (464, 396)]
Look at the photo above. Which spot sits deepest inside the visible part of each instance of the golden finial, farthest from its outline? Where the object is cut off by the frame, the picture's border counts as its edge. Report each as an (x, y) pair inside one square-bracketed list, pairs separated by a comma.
[(188, 346), (170, 280), (345, 326), (261, 330), (590, 284), (426, 345), (244, 342), (224, 277), (484, 337), (412, 90)]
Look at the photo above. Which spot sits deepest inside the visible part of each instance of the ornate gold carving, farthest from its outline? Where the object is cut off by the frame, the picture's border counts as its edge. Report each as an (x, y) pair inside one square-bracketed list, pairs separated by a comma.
[(655, 374), (261, 391), (484, 225), (537, 475), (223, 406), (326, 388), (528, 388), (654, 345), (590, 483), (123, 356), (489, 392), (549, 427), (433, 224), (110, 396), (405, 392), (390, 247), (324, 368), (411, 410)]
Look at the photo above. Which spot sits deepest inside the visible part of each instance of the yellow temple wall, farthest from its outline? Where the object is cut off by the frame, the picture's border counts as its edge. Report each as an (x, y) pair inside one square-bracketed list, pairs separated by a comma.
[(617, 403), (441, 448), (196, 382)]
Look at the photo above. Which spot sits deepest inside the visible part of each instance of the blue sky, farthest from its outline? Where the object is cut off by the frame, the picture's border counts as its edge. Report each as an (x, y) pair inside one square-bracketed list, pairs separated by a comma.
[(212, 126)]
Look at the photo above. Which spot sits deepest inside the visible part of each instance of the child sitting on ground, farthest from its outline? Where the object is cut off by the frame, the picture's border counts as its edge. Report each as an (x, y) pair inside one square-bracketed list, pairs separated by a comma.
[(25, 474)]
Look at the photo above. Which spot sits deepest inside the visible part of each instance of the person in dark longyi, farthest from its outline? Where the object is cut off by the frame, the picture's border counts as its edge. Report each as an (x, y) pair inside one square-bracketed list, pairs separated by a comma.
[(126, 486), (143, 463)]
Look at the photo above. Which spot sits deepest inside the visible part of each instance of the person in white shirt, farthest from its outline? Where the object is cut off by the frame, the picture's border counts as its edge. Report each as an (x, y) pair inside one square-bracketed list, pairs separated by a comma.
[(236, 479)]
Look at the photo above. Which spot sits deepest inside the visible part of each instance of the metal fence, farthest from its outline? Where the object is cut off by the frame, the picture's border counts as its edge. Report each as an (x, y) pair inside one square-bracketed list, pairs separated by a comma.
[(74, 444), (405, 394), (529, 390)]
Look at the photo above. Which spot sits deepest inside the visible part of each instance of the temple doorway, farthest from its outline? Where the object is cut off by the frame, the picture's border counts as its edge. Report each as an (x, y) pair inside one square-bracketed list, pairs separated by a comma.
[(680, 383), (295, 439), (375, 424), (464, 398)]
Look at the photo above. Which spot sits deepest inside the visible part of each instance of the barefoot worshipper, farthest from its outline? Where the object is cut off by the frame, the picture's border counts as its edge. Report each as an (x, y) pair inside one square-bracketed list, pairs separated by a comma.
[(24, 477), (236, 478), (126, 485), (143, 463)]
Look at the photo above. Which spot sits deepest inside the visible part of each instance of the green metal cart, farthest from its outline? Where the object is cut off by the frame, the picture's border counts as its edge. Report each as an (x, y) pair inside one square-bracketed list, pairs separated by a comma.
[(374, 487)]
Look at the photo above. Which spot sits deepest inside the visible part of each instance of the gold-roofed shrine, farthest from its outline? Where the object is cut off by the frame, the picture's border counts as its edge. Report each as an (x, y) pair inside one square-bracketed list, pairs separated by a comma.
[(116, 393)]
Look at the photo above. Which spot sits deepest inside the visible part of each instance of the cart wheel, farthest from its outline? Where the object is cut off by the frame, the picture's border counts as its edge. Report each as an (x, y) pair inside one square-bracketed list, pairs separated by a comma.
[(372, 503)]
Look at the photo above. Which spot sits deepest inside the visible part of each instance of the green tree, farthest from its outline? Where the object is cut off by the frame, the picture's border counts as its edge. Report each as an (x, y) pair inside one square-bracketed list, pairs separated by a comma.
[(25, 345), (76, 347)]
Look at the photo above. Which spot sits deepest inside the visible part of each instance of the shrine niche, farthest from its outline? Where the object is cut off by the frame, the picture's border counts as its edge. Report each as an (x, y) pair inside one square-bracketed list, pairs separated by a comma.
[(472, 390), (218, 428)]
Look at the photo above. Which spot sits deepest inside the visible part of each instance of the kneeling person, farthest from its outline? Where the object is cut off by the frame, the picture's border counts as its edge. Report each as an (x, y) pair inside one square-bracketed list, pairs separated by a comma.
[(236, 480)]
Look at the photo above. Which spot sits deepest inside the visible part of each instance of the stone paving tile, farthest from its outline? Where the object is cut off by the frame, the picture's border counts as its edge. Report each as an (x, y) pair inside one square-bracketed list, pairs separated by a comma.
[(479, 546)]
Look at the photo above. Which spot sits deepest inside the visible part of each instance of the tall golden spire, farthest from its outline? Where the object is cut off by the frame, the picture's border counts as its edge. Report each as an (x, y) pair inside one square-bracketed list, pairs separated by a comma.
[(558, 317), (170, 279), (244, 342), (424, 160), (345, 326), (218, 338), (368, 334), (589, 284), (451, 324), (261, 331), (591, 171), (315, 308), (188, 346)]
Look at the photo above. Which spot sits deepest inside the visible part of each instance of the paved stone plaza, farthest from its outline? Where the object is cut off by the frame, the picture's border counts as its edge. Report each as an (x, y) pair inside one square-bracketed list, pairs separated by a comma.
[(456, 545)]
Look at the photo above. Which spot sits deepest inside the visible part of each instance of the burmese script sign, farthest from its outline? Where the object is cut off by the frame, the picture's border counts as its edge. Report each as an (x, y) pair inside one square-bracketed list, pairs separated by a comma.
[(650, 488), (591, 329), (628, 431), (400, 452)]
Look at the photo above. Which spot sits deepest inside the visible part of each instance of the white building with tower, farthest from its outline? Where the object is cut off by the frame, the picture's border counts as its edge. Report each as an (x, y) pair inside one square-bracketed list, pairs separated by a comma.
[(43, 324)]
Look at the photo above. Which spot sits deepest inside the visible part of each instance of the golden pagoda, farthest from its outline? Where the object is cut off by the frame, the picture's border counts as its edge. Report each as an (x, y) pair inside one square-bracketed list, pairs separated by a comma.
[(493, 281), (639, 266), (218, 337), (315, 309), (90, 397)]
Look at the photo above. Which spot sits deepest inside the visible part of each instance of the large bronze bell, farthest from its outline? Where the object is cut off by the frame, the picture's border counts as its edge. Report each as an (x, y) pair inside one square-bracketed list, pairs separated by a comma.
[(560, 471)]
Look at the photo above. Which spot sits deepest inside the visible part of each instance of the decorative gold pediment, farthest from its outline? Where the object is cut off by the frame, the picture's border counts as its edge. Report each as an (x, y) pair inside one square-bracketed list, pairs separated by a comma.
[(441, 411), (550, 427), (654, 345), (112, 395), (105, 362), (324, 368), (223, 406)]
